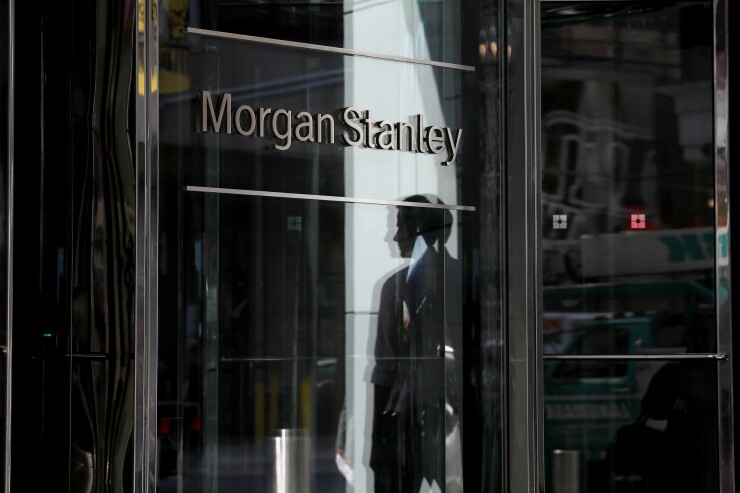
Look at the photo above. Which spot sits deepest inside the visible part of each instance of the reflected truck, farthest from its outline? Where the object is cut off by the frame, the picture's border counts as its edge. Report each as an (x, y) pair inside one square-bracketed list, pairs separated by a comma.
[(587, 400)]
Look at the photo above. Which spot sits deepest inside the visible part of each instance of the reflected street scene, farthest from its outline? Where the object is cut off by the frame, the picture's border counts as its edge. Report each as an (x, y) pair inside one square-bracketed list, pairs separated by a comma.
[(629, 246)]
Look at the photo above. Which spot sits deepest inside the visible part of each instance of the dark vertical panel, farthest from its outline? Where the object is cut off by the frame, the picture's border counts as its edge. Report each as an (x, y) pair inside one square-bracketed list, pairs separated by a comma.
[(27, 384), (483, 249), (519, 82), (5, 77), (734, 189), (722, 43), (73, 304), (102, 260)]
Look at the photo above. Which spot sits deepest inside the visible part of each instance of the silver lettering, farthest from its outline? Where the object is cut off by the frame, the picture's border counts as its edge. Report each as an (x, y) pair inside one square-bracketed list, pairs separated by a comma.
[(369, 123), (238, 120), (348, 115), (357, 128), (452, 146), (387, 138), (207, 108), (320, 120), (435, 139), (263, 114), (282, 131), (420, 133), (410, 132), (307, 125)]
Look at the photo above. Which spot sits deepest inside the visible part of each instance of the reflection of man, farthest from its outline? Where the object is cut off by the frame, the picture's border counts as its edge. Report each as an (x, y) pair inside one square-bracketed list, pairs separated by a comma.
[(673, 447), (408, 439)]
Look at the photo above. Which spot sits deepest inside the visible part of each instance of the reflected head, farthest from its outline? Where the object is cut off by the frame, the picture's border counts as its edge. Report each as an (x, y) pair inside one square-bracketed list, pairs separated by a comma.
[(434, 225)]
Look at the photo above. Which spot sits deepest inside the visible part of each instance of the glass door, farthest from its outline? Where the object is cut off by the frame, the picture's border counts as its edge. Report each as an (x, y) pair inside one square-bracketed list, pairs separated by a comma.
[(633, 239)]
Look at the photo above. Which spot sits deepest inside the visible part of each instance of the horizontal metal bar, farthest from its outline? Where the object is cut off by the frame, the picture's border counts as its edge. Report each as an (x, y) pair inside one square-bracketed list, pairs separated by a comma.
[(279, 359), (89, 356), (565, 2), (327, 49), (636, 357), (327, 198)]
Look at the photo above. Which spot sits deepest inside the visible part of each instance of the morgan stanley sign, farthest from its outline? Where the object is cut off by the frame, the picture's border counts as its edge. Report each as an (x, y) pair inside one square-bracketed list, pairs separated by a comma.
[(356, 128)]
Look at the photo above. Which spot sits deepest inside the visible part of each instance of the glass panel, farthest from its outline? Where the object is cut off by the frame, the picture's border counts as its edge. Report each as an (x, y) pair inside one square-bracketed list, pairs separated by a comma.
[(628, 175), (628, 245), (631, 425), (305, 303), (423, 29), (74, 280), (290, 359)]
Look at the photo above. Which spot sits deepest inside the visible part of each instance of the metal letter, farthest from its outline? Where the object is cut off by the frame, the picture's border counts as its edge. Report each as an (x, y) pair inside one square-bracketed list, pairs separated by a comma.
[(347, 115), (434, 137), (287, 133), (387, 134), (400, 126), (207, 107), (452, 146), (263, 113), (320, 119), (420, 133), (306, 124), (368, 141), (238, 123)]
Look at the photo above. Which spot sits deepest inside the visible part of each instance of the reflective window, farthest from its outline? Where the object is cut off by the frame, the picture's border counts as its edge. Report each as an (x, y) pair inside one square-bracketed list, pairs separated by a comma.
[(330, 257), (628, 245)]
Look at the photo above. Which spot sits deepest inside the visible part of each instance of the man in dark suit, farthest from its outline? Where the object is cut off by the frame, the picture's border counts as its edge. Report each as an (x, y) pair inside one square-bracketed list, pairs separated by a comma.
[(408, 439)]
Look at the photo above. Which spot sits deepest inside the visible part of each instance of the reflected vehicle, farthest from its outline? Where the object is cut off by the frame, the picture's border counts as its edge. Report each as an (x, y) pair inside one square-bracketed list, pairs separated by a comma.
[(588, 401)]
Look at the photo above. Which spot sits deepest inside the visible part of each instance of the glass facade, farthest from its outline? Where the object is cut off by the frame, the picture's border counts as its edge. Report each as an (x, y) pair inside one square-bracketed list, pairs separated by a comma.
[(629, 242), (322, 252), (419, 246)]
